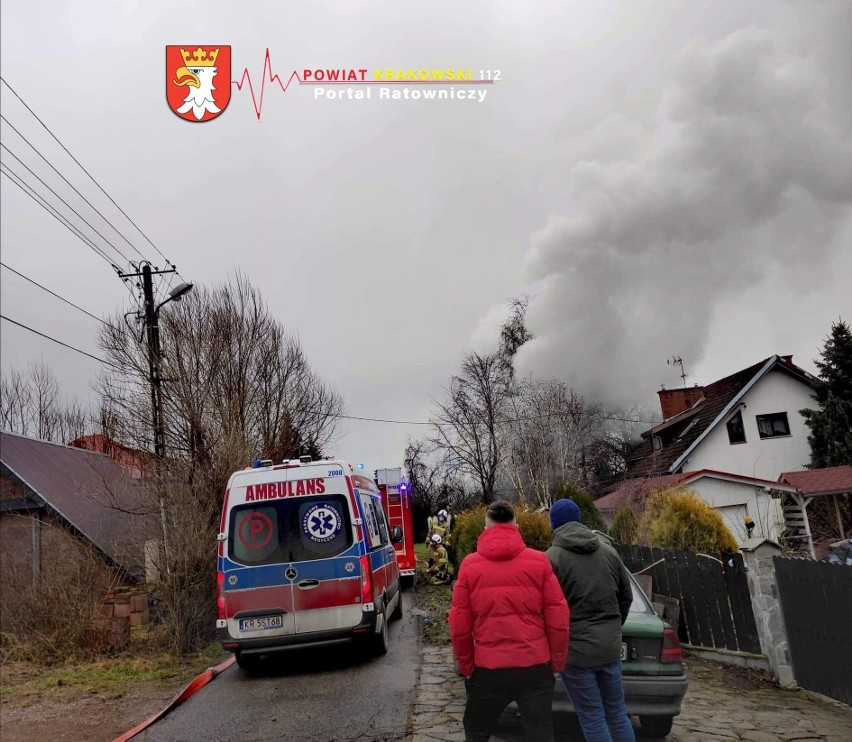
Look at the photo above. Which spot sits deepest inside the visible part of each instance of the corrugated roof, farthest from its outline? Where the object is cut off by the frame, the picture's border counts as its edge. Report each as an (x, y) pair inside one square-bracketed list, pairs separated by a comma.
[(83, 487), (834, 479)]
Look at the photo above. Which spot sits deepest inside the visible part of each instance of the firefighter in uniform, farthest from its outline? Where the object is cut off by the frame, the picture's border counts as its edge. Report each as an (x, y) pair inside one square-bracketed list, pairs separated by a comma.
[(439, 525), (440, 572)]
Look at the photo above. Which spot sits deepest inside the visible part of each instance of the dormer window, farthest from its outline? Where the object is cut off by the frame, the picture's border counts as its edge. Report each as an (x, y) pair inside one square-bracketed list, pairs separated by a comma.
[(773, 426), (658, 442), (736, 429)]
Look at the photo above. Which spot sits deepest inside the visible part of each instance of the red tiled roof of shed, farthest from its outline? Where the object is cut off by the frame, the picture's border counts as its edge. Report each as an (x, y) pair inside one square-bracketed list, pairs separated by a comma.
[(835, 479)]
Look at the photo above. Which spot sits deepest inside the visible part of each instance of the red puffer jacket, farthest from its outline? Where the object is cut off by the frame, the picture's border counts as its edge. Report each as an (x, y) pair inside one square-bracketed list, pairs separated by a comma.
[(508, 608)]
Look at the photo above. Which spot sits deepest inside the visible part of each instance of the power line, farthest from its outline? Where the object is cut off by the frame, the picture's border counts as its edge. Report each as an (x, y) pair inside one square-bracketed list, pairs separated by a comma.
[(3, 146), (25, 187), (613, 418), (91, 177), (53, 293), (59, 342), (309, 412), (50, 164)]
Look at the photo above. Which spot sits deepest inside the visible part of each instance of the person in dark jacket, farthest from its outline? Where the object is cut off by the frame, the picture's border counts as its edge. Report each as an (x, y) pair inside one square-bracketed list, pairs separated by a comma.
[(597, 588), (509, 628)]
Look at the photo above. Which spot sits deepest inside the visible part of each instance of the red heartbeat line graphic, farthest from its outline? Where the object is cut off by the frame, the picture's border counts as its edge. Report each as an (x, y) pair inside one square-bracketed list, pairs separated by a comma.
[(267, 72)]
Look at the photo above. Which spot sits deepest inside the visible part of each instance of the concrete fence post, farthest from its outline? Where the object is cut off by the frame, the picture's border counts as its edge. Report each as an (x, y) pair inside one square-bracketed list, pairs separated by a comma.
[(758, 555)]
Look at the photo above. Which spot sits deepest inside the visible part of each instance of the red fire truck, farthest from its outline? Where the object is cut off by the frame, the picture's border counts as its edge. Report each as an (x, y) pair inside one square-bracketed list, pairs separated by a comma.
[(396, 499)]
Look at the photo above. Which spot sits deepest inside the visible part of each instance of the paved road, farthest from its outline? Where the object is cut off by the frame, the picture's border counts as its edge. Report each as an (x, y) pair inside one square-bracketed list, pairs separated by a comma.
[(723, 704), (325, 695)]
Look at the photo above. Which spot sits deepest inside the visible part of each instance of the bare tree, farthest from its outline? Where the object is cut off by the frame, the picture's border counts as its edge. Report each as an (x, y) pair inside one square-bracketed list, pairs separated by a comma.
[(468, 421), (237, 386), (32, 404), (513, 334), (14, 401), (552, 433)]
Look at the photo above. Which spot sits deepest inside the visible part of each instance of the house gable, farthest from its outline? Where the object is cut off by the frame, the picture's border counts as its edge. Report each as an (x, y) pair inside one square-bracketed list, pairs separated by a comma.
[(679, 439), (775, 396)]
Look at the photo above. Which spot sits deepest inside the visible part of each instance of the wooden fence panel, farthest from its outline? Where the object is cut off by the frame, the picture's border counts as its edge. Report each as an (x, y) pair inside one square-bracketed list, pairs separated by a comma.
[(741, 608), (816, 602), (701, 598), (715, 604), (725, 611), (673, 577)]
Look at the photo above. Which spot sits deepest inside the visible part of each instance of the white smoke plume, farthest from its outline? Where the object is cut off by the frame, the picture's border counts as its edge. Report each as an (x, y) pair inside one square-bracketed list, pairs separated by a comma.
[(737, 164)]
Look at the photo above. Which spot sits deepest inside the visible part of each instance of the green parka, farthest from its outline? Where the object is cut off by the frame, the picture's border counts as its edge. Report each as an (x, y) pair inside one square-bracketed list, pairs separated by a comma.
[(598, 590)]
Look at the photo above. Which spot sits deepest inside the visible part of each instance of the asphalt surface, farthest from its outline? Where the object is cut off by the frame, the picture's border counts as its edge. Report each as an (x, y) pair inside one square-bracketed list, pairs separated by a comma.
[(322, 695)]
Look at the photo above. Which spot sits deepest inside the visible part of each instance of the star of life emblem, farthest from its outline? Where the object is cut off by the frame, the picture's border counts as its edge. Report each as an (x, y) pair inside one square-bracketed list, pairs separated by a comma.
[(321, 523)]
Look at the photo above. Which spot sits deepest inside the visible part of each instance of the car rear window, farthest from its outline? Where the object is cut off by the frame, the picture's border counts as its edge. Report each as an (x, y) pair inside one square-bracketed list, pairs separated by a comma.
[(640, 603), (290, 530)]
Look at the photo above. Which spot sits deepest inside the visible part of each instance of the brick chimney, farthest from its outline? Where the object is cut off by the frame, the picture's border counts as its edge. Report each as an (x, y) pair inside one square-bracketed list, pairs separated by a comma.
[(675, 401)]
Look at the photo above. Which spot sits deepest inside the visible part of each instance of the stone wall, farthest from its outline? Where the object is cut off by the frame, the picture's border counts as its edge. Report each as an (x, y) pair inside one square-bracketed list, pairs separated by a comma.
[(767, 609)]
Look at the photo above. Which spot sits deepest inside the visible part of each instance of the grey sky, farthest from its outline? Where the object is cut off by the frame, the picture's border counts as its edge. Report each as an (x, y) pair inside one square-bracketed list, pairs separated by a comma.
[(389, 234)]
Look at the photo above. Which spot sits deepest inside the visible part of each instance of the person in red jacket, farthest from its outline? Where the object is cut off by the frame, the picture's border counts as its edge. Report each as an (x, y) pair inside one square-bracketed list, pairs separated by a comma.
[(509, 628)]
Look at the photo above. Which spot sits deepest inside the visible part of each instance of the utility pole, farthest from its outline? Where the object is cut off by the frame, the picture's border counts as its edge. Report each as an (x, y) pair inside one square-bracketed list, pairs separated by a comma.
[(151, 317), (152, 331)]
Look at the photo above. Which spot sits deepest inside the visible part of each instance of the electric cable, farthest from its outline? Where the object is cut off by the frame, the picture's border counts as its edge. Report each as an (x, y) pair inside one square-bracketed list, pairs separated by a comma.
[(50, 164), (59, 342), (25, 187), (4, 146), (53, 293), (80, 165)]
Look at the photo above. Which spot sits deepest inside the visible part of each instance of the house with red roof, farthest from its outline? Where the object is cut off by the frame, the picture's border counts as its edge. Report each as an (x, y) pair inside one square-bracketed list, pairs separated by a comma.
[(730, 441), (130, 458)]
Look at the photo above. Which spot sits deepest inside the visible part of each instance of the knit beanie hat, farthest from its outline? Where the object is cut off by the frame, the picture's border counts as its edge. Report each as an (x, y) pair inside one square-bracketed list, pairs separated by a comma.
[(564, 511)]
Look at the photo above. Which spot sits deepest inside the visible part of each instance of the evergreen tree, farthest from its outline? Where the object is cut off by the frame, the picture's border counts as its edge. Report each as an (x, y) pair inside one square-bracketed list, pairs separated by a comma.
[(831, 423)]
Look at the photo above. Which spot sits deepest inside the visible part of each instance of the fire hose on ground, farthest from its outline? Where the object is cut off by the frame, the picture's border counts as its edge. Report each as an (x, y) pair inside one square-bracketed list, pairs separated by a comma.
[(194, 686)]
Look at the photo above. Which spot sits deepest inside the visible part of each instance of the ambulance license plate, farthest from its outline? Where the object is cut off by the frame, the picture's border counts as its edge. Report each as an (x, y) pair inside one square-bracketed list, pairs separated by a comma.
[(623, 651), (262, 622)]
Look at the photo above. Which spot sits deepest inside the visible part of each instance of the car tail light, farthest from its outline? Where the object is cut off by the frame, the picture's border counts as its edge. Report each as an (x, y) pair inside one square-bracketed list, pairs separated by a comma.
[(366, 580), (671, 647), (220, 593)]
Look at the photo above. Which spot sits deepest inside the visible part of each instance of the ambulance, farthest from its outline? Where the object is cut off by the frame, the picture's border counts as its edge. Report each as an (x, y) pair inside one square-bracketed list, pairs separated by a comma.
[(396, 498), (306, 558)]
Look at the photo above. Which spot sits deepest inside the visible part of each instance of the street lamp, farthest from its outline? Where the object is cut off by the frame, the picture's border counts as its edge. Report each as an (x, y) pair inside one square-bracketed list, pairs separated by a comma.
[(176, 294)]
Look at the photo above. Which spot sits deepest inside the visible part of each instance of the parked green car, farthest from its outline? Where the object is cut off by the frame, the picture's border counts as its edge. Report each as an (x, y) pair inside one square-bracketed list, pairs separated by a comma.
[(652, 669)]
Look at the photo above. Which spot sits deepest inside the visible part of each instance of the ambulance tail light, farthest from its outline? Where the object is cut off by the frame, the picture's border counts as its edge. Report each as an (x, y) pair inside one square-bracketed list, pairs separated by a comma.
[(220, 594), (366, 580)]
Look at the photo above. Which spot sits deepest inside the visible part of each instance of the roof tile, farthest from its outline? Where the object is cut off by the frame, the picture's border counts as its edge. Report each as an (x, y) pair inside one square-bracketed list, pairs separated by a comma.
[(820, 481)]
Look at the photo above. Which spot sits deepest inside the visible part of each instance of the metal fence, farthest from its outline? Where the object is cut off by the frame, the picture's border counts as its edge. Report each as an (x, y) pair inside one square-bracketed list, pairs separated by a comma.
[(816, 602), (715, 604)]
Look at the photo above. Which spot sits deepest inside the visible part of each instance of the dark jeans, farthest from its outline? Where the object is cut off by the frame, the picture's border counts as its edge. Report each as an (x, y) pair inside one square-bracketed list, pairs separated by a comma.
[(598, 699), (490, 691)]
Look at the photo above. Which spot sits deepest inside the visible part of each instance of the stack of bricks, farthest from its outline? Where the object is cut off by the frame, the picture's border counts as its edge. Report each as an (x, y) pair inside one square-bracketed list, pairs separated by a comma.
[(131, 608)]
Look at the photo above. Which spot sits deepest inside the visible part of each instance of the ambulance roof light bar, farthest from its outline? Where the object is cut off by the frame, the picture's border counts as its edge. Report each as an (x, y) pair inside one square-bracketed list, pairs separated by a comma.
[(261, 463)]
